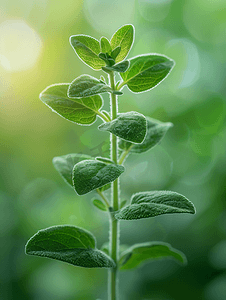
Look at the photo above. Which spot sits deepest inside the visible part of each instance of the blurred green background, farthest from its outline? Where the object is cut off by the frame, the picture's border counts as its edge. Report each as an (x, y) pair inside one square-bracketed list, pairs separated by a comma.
[(34, 53)]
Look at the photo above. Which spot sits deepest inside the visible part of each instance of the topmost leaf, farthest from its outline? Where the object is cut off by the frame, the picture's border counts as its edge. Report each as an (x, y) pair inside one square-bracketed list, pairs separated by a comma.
[(123, 38), (87, 49)]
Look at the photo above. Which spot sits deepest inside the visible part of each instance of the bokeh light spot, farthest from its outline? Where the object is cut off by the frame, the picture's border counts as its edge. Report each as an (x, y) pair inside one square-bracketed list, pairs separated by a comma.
[(154, 10), (186, 55), (20, 46), (106, 15)]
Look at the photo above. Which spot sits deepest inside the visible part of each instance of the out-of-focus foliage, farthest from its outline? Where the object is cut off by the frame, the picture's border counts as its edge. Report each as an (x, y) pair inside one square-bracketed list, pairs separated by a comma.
[(34, 53)]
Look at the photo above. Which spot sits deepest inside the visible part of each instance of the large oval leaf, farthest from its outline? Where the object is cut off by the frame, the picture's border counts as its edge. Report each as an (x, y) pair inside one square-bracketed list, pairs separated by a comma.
[(141, 253), (90, 175), (87, 48), (146, 71), (155, 203), (156, 130), (130, 126), (64, 165), (123, 38), (69, 244), (81, 111), (85, 86)]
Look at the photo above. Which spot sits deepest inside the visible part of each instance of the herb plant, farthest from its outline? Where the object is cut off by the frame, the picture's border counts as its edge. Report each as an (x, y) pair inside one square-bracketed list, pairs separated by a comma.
[(131, 132)]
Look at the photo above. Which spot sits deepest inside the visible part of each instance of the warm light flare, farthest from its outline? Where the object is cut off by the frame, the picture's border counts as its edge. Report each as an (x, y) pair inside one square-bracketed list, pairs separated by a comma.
[(20, 46)]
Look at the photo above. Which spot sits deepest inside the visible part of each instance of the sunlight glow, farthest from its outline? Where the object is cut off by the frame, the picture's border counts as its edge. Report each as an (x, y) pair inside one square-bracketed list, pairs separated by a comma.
[(20, 46)]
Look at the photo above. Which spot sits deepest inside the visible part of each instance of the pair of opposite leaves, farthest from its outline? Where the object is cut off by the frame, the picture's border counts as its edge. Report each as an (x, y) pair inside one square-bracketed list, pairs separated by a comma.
[(80, 101)]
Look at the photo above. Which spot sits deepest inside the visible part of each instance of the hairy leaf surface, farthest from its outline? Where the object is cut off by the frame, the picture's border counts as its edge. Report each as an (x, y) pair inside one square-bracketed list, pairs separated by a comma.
[(141, 253), (146, 71), (156, 130), (69, 244), (85, 86), (105, 45), (89, 175), (123, 38), (64, 164), (155, 203), (130, 126), (87, 48), (81, 111), (115, 52)]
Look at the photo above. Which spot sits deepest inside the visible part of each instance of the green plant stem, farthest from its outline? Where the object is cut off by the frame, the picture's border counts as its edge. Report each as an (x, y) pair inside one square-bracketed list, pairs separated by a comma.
[(104, 198), (114, 225)]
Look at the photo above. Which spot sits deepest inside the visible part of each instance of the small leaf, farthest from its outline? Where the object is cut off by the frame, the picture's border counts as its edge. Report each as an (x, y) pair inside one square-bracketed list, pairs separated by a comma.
[(120, 67), (123, 37), (99, 204), (146, 71), (123, 203), (85, 86), (117, 84), (104, 159), (155, 203), (89, 175), (87, 49), (107, 59), (115, 52), (64, 165), (140, 253), (156, 130), (102, 79), (69, 244), (130, 126), (105, 45), (82, 111)]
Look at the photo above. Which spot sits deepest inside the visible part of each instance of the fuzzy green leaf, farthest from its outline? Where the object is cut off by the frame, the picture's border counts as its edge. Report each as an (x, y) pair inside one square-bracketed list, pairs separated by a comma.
[(123, 37), (155, 203), (99, 204), (85, 86), (105, 45), (146, 71), (156, 130), (89, 175), (123, 203), (87, 49), (69, 244), (64, 165), (141, 253), (130, 126), (81, 111), (120, 67), (115, 52)]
